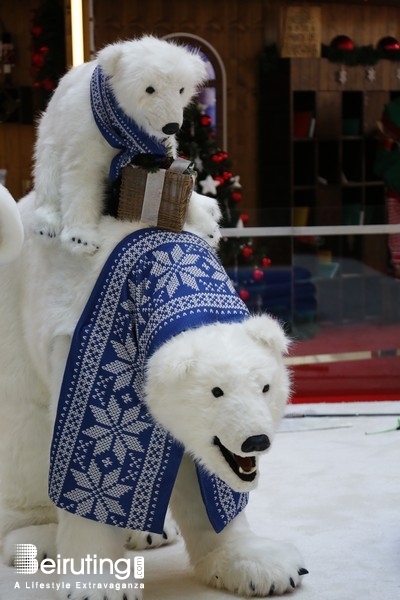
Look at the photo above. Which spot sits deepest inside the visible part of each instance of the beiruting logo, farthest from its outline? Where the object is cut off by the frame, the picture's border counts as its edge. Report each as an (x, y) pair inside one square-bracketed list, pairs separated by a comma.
[(26, 563)]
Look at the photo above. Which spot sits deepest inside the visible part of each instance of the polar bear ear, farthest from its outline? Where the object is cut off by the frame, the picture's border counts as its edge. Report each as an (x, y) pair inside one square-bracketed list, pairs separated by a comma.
[(199, 68), (174, 359), (267, 330), (109, 56)]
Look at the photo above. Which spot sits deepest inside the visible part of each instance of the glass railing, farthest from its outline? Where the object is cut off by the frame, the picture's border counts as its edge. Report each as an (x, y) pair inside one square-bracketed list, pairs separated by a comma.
[(336, 291)]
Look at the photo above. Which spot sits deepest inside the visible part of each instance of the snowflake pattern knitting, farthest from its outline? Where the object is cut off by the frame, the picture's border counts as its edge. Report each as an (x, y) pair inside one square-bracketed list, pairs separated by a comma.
[(110, 461)]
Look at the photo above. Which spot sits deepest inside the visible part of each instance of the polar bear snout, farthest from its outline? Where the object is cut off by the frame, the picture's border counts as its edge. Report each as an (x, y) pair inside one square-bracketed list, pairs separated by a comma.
[(256, 443), (171, 128)]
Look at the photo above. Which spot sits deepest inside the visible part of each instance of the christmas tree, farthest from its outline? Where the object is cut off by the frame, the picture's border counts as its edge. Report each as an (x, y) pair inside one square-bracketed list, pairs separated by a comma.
[(215, 178), (48, 48)]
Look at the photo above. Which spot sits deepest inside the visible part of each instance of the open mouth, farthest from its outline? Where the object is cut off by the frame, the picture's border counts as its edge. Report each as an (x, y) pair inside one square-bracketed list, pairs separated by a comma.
[(245, 467)]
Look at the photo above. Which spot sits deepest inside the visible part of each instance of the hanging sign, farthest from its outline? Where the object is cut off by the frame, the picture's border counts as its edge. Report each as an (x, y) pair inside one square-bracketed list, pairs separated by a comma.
[(300, 32)]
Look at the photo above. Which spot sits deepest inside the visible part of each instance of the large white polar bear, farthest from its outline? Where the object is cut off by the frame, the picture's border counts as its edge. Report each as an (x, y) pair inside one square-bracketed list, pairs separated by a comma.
[(128, 101), (214, 394)]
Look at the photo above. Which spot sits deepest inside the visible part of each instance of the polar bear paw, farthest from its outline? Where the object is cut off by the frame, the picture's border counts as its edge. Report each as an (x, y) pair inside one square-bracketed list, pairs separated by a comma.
[(41, 536), (253, 567), (98, 587), (142, 540), (82, 240), (47, 222)]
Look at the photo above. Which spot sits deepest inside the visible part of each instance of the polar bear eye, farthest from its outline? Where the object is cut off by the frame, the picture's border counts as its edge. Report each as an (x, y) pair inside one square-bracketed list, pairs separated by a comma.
[(217, 392), (150, 89), (181, 90), (265, 388)]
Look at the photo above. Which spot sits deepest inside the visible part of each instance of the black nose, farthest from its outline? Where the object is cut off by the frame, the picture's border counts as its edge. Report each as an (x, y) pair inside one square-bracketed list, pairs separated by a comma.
[(170, 128), (256, 443)]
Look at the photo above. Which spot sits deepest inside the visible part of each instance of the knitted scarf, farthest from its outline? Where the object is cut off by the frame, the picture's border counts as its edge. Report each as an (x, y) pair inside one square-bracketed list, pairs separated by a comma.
[(117, 128), (109, 460)]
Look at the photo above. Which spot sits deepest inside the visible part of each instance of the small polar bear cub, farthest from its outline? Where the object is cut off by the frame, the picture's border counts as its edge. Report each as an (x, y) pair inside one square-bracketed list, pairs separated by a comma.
[(152, 81)]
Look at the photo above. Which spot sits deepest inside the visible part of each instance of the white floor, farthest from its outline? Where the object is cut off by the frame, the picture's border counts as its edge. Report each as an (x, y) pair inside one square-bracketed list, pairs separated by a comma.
[(327, 487)]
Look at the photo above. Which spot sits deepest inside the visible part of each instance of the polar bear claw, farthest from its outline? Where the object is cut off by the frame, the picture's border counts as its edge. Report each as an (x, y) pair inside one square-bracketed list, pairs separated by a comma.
[(70, 591), (253, 567)]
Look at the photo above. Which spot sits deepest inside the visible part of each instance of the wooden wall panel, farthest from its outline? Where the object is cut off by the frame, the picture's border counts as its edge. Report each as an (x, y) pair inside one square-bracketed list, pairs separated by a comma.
[(17, 20), (16, 146), (364, 24)]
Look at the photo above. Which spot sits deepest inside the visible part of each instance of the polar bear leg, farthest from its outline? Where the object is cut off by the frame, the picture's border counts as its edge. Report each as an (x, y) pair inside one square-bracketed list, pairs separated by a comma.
[(83, 195), (235, 559), (24, 500), (73, 211), (76, 539), (24, 443), (41, 536)]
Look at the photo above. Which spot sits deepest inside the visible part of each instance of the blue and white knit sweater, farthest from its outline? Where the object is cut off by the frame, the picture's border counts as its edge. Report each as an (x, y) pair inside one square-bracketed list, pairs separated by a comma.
[(109, 460)]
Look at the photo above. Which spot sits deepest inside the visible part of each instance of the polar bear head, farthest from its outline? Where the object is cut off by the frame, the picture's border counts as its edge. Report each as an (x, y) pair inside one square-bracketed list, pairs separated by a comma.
[(153, 80), (221, 390)]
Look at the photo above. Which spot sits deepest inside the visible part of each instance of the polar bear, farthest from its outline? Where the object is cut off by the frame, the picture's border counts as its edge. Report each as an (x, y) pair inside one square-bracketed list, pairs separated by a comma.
[(219, 390), (140, 86)]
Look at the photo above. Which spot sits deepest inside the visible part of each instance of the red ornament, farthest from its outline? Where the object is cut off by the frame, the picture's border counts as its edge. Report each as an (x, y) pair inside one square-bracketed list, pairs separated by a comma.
[(216, 158), (44, 49), (244, 217), (247, 251), (244, 295), (266, 262), (342, 42), (389, 43), (258, 274), (236, 197), (37, 30), (38, 60), (227, 175), (220, 179), (205, 120), (48, 84)]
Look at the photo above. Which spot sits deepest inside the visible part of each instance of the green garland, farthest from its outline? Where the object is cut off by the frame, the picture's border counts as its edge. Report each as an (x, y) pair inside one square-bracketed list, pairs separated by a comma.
[(362, 55)]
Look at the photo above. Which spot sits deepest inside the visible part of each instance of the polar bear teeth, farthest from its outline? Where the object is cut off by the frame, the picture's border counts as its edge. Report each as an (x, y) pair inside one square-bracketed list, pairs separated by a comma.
[(245, 467), (249, 471)]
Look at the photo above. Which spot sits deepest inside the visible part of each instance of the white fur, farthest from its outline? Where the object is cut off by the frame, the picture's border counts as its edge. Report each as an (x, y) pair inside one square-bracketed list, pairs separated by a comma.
[(72, 159), (42, 295), (11, 230)]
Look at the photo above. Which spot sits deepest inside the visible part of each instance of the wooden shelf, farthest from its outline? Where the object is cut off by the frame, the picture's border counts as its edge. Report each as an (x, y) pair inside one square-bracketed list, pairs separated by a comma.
[(323, 174)]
